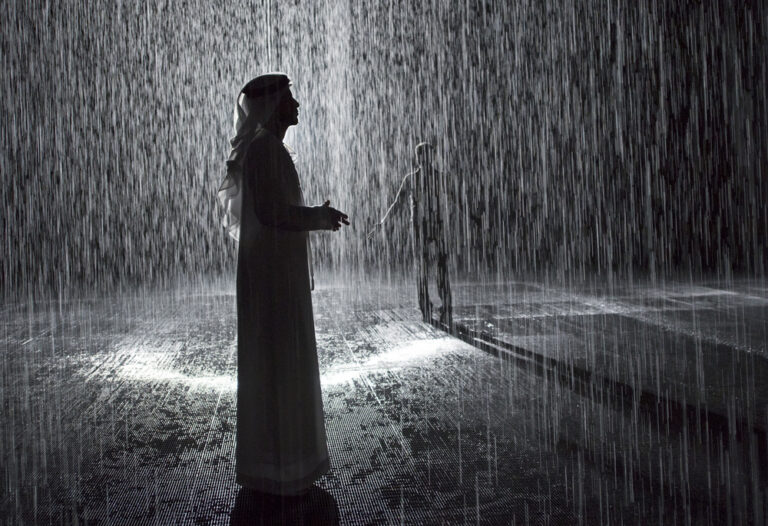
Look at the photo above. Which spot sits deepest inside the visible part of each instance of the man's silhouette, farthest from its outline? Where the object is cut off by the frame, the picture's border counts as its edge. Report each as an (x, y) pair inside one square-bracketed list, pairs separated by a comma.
[(280, 441), (430, 199)]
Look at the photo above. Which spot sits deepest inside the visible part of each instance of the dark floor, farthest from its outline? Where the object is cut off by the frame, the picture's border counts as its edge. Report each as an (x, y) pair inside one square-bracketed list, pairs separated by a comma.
[(642, 405)]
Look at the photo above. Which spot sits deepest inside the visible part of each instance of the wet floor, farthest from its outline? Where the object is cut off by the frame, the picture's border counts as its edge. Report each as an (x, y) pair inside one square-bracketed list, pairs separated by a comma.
[(122, 409)]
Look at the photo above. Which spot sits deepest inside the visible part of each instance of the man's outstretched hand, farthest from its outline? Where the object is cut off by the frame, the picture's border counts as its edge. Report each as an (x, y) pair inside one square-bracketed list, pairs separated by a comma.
[(333, 218), (372, 232)]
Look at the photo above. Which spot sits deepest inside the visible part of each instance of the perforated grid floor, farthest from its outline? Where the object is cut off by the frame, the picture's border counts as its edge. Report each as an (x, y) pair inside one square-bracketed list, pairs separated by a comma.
[(122, 411)]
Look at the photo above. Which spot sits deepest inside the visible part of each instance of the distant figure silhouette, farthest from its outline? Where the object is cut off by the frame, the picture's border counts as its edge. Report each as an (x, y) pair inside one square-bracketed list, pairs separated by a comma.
[(430, 201), (280, 439)]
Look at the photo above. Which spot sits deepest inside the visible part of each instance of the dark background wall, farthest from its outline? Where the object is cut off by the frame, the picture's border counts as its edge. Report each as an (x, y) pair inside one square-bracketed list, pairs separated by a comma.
[(604, 139)]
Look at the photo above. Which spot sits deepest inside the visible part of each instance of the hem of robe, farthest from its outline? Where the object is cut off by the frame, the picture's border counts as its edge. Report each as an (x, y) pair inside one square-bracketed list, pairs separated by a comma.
[(283, 487)]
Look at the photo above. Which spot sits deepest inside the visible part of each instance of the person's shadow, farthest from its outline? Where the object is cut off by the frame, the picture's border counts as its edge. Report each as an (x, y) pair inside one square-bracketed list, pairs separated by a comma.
[(254, 508)]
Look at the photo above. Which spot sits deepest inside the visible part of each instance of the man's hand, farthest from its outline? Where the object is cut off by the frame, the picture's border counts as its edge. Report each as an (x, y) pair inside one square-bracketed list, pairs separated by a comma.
[(373, 231), (333, 219)]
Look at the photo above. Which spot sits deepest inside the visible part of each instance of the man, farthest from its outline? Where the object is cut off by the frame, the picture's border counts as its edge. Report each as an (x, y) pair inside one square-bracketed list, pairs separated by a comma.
[(430, 200), (280, 438)]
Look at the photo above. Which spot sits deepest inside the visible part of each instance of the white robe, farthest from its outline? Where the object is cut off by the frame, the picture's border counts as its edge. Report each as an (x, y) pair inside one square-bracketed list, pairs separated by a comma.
[(280, 442)]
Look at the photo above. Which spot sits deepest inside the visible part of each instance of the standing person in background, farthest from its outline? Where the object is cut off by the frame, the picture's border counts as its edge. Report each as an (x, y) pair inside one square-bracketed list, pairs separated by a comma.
[(280, 439), (431, 203)]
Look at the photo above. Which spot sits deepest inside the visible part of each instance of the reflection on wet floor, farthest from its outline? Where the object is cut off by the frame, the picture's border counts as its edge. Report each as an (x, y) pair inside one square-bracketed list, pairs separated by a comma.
[(120, 410)]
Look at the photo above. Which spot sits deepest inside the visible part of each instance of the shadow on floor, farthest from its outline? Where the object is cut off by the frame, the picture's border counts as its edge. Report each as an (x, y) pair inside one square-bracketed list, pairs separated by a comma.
[(317, 507)]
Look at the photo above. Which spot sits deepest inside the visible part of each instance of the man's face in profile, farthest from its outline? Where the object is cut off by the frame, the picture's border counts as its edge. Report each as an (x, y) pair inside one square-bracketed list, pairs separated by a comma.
[(288, 109)]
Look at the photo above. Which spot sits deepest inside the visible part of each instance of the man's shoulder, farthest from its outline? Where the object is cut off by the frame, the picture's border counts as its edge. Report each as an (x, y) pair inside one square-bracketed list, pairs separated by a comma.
[(410, 178), (263, 143), (263, 139)]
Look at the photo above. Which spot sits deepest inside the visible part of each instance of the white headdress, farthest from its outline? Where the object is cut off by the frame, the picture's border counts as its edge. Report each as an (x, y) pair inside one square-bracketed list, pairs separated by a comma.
[(255, 104)]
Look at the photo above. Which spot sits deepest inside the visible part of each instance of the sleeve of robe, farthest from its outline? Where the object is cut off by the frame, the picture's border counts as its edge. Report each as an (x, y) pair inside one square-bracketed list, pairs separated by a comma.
[(266, 160)]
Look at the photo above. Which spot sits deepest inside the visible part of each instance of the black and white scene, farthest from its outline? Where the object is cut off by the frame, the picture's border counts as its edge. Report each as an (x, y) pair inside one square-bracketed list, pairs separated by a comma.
[(338, 262)]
